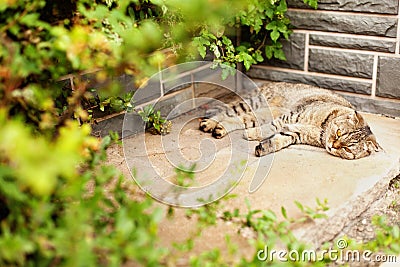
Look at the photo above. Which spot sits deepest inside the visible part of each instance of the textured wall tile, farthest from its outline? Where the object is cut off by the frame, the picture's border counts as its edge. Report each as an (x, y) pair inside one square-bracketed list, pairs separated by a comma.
[(103, 128), (375, 106), (126, 81), (353, 43), (209, 90), (151, 92), (341, 63), (388, 80), (345, 23), (324, 82), (294, 52), (173, 106), (177, 84), (214, 76), (367, 6)]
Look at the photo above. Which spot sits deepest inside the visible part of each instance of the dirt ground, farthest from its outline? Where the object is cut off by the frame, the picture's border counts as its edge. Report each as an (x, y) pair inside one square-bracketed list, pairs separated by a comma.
[(359, 228), (321, 175)]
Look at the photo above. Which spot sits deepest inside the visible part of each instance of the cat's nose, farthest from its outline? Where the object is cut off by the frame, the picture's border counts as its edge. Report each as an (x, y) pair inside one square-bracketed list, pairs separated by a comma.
[(337, 144)]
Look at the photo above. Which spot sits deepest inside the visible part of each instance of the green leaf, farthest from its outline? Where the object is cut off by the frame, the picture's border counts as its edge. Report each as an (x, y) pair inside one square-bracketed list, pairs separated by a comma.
[(283, 211), (270, 215), (319, 216), (226, 41), (214, 48), (279, 54), (241, 48), (247, 202), (258, 57), (201, 43), (270, 13), (281, 27), (275, 35), (312, 3), (225, 74), (299, 205), (10, 189), (396, 232), (271, 26), (246, 59), (286, 35), (269, 50), (395, 247), (282, 8), (30, 19)]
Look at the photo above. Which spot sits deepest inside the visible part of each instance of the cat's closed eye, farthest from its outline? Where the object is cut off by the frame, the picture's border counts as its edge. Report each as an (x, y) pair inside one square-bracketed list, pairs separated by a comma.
[(348, 150)]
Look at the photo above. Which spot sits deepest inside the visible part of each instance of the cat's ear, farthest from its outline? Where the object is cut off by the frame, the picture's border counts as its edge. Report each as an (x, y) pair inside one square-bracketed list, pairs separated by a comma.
[(359, 119), (372, 140)]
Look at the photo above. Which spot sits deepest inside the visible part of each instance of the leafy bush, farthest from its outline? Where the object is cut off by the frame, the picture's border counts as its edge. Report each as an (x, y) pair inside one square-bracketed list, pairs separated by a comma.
[(261, 24), (60, 204), (56, 209)]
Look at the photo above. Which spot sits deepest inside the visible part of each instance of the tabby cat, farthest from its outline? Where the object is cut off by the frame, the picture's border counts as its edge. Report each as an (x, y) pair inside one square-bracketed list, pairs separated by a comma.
[(295, 114)]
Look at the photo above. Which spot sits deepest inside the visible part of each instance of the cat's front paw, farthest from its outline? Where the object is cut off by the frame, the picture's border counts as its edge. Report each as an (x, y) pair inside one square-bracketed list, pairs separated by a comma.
[(264, 148), (207, 125), (219, 132), (252, 134)]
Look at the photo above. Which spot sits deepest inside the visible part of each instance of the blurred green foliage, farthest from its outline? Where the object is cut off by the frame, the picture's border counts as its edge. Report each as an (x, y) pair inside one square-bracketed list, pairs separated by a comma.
[(60, 204), (42, 41)]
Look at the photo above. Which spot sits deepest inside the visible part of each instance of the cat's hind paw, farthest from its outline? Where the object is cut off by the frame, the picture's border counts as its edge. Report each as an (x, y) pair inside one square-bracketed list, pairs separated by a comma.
[(219, 132), (207, 125)]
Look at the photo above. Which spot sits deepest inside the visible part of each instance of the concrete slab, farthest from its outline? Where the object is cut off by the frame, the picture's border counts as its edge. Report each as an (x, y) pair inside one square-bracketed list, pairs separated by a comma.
[(299, 173)]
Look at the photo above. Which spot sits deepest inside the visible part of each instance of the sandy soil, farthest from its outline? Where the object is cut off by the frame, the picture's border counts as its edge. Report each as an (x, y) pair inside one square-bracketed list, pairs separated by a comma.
[(300, 173)]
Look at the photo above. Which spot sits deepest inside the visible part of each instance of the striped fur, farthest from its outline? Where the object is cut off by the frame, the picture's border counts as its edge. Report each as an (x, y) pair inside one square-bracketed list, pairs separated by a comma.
[(295, 114)]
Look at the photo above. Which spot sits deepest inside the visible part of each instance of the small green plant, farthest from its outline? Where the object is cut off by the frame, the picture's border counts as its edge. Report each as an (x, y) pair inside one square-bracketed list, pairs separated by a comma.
[(311, 213), (117, 103), (268, 231), (274, 233), (155, 123), (185, 176), (387, 237)]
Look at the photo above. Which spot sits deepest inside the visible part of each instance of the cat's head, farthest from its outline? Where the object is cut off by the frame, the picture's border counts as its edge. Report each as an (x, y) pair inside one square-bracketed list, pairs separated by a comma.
[(350, 137)]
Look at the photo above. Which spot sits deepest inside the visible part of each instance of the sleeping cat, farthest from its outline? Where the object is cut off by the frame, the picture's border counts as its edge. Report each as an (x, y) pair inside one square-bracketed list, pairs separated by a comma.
[(301, 114)]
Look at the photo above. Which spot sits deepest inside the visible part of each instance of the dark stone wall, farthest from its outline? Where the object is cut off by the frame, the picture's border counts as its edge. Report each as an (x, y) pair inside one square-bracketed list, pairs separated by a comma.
[(365, 6), (351, 46), (294, 52), (358, 43), (344, 23), (388, 82), (341, 63)]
